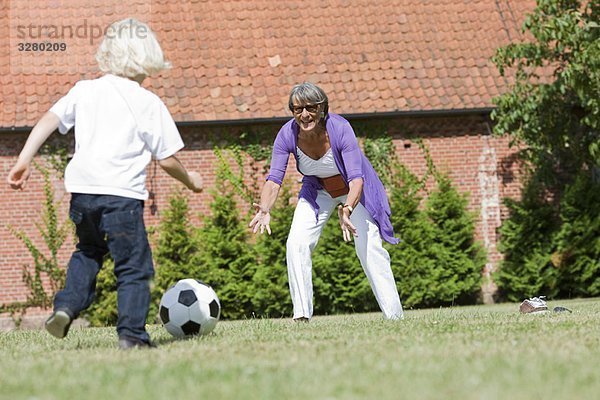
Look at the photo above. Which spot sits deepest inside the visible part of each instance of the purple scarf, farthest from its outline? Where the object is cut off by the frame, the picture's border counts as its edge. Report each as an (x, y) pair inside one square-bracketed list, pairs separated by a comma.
[(349, 159)]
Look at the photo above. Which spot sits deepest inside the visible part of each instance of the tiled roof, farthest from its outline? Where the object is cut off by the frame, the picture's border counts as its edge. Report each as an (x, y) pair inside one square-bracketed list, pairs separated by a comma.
[(239, 59)]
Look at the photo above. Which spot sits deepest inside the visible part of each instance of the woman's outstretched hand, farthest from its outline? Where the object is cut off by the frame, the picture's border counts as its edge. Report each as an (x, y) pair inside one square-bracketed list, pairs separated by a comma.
[(348, 229), (261, 220)]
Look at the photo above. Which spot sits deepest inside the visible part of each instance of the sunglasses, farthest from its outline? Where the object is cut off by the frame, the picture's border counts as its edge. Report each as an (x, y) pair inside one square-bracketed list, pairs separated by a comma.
[(311, 108)]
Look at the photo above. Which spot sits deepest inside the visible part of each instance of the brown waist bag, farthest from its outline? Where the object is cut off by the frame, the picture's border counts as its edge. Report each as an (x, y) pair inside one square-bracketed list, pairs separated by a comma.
[(334, 185)]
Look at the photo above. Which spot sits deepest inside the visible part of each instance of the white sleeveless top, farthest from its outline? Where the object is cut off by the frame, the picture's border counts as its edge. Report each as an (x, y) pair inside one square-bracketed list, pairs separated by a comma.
[(324, 167)]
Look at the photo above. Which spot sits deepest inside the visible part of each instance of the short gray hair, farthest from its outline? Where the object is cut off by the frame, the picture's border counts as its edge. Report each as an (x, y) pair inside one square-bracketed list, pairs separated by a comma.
[(308, 93), (130, 49)]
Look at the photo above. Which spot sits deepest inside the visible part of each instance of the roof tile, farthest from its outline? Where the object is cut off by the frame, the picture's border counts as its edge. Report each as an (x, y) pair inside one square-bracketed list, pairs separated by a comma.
[(234, 59)]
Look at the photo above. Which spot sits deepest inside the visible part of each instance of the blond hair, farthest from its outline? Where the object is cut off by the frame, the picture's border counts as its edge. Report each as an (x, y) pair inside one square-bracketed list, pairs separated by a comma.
[(130, 49)]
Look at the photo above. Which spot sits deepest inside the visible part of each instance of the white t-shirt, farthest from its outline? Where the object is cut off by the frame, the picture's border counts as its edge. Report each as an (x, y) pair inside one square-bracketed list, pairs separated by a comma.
[(119, 127)]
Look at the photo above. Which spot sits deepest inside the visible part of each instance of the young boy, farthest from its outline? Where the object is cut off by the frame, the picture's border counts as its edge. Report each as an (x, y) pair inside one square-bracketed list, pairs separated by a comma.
[(119, 128)]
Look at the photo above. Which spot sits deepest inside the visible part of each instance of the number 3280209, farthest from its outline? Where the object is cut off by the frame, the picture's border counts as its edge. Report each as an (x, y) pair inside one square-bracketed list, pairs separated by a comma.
[(41, 46)]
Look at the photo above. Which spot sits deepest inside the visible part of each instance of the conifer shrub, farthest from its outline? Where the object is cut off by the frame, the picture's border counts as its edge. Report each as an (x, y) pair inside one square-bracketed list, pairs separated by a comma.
[(459, 258), (526, 242), (103, 310), (410, 260), (552, 249), (174, 249), (271, 295), (340, 284), (577, 254), (224, 256), (438, 262)]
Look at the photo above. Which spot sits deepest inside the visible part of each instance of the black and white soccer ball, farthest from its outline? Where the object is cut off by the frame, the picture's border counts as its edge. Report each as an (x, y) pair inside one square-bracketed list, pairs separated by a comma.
[(190, 307)]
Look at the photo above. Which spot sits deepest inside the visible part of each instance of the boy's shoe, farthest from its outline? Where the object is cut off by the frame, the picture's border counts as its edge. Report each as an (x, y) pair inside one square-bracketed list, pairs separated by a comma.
[(59, 323), (533, 305), (130, 342)]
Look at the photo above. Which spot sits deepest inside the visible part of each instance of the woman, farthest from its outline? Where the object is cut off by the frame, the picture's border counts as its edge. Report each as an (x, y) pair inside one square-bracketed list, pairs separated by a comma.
[(336, 173)]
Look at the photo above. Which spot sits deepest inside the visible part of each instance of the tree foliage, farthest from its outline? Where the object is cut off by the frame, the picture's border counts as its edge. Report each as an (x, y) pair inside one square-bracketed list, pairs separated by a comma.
[(271, 292), (224, 256), (174, 250), (553, 106), (577, 252), (103, 310), (340, 285), (438, 262), (553, 112), (459, 257)]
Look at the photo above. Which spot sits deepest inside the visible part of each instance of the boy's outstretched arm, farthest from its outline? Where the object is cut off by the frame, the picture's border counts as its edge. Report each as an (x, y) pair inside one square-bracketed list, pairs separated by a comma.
[(19, 174), (173, 167)]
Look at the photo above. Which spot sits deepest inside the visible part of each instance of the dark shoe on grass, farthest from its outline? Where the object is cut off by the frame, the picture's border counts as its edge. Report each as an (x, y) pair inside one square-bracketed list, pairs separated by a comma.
[(59, 323), (559, 309), (130, 342)]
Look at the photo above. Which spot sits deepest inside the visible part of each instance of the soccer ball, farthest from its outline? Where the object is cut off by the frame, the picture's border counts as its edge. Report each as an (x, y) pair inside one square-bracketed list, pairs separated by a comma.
[(190, 307)]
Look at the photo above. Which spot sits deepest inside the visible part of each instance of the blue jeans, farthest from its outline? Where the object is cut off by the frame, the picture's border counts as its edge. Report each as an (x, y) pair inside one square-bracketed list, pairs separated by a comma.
[(110, 224)]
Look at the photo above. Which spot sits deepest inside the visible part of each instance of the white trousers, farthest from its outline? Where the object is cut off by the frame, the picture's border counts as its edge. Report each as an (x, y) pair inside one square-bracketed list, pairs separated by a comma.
[(375, 260)]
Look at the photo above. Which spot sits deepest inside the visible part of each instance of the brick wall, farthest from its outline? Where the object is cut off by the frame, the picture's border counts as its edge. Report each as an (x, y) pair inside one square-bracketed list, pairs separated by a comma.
[(477, 162)]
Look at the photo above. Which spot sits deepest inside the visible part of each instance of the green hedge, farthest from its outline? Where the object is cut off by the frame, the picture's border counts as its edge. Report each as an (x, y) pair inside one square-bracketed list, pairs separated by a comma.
[(551, 244), (438, 261), (552, 247)]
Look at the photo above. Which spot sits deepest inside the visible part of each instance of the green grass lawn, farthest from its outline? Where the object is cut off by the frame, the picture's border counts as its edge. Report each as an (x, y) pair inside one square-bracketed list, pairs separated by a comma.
[(480, 352)]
